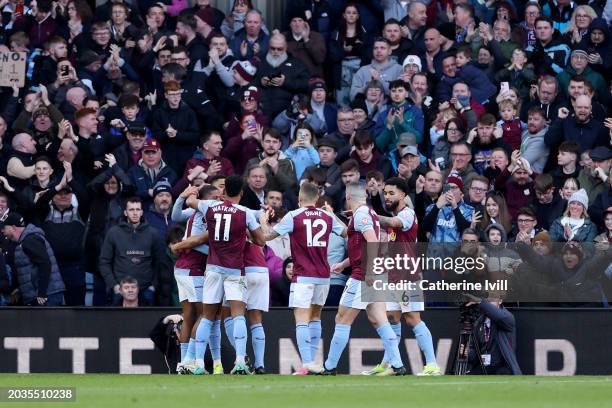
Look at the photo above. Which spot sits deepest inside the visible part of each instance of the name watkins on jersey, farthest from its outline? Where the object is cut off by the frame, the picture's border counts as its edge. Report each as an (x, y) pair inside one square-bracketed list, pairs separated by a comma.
[(224, 208)]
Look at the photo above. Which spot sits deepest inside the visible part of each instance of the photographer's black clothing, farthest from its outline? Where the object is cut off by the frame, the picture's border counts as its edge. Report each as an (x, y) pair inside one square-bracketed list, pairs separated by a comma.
[(497, 337)]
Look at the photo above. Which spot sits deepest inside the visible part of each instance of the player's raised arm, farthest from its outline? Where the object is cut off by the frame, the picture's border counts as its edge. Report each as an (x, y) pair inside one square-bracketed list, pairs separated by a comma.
[(192, 202), (268, 233)]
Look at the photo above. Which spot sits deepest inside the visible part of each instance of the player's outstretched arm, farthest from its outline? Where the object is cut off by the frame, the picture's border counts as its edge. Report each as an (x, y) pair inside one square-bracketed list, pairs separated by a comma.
[(392, 222), (190, 242), (192, 202)]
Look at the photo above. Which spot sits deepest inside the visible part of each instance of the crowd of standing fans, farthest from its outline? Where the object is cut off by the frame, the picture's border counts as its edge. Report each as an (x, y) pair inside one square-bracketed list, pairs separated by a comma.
[(495, 113)]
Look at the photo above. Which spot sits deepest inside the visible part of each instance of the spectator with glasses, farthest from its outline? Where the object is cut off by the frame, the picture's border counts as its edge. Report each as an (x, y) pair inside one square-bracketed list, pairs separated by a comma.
[(526, 223)]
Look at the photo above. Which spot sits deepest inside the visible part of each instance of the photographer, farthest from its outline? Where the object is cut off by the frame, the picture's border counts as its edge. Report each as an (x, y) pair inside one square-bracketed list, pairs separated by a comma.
[(495, 331)]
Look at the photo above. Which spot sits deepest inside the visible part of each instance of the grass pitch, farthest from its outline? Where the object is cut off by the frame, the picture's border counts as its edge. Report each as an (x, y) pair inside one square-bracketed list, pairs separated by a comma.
[(271, 391)]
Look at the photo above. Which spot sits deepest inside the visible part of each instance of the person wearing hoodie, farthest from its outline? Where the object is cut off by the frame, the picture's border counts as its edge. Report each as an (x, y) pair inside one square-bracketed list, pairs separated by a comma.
[(382, 68), (574, 224), (131, 248), (501, 261), (533, 148), (550, 54), (598, 46), (107, 190)]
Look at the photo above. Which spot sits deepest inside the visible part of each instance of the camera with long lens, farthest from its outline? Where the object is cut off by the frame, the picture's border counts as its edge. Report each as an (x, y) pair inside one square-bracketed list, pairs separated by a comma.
[(467, 317), (467, 314)]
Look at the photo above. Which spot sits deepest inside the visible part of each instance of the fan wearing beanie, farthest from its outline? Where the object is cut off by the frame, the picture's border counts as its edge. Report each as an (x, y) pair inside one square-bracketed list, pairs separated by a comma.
[(304, 44), (574, 224)]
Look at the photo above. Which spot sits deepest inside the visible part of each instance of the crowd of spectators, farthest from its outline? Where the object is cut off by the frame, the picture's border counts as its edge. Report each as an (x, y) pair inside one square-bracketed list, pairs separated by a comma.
[(495, 113)]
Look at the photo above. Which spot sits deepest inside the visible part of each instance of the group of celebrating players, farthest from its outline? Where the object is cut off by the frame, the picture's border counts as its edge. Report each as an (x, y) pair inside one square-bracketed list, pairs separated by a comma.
[(222, 276)]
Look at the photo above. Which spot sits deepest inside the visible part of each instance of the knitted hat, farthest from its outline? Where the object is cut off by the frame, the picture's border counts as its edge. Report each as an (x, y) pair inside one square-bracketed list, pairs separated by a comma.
[(297, 12), (207, 15), (162, 187), (412, 59), (245, 69), (455, 179), (316, 83), (581, 197), (359, 103), (578, 52), (251, 92)]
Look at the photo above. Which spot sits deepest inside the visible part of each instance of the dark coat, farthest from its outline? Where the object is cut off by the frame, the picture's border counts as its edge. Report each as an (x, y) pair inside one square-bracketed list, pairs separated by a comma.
[(587, 135), (179, 149), (275, 99), (129, 251)]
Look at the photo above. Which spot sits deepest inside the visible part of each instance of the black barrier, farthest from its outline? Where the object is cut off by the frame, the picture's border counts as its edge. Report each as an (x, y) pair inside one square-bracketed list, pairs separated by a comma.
[(550, 341)]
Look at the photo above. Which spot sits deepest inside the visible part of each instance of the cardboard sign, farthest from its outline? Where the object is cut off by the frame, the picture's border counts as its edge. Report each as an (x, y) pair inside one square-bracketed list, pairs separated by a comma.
[(12, 68)]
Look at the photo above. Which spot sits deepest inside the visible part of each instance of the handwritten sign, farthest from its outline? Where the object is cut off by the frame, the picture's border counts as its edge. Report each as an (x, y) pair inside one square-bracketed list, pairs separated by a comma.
[(13, 68)]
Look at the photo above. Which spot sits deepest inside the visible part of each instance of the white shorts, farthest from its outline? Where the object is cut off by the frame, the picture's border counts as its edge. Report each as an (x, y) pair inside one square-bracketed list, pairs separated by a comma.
[(258, 291), (351, 297), (303, 295), (189, 287), (217, 285), (406, 301)]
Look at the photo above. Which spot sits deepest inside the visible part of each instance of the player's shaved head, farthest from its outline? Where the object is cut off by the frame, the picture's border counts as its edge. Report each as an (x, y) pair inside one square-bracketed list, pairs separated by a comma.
[(309, 193), (234, 186), (356, 192)]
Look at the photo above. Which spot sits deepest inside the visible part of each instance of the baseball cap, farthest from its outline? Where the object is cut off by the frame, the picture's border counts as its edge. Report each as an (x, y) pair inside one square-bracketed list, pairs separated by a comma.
[(13, 219), (600, 153), (137, 127), (410, 150), (151, 144)]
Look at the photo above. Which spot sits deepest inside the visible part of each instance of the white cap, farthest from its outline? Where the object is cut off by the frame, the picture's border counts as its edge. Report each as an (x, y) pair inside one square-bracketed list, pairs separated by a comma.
[(412, 59)]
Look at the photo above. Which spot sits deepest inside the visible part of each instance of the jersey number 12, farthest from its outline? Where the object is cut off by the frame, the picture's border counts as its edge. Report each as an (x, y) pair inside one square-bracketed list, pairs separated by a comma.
[(314, 241)]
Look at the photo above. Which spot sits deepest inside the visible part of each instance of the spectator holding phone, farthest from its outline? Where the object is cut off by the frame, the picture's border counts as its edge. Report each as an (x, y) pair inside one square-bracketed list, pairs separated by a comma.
[(301, 152)]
